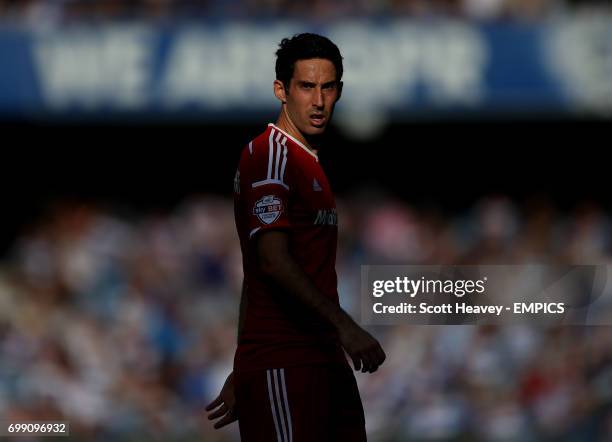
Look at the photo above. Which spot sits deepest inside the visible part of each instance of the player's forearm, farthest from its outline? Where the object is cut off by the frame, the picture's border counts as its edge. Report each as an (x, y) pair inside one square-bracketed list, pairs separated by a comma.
[(242, 312), (288, 275)]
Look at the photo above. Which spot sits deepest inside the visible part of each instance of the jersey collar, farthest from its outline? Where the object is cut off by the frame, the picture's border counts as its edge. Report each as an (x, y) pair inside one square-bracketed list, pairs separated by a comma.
[(294, 140)]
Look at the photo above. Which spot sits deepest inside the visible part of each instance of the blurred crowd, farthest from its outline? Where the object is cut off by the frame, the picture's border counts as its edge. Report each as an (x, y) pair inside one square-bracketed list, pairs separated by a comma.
[(124, 323), (66, 11)]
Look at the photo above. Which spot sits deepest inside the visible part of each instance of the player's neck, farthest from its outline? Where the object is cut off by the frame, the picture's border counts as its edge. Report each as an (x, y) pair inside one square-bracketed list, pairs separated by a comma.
[(285, 124)]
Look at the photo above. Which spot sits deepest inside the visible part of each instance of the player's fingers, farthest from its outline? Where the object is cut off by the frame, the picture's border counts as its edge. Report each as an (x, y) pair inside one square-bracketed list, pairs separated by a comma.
[(214, 404), (356, 362), (227, 419), (383, 355), (367, 363), (365, 367), (376, 360), (373, 365), (220, 412), (379, 356)]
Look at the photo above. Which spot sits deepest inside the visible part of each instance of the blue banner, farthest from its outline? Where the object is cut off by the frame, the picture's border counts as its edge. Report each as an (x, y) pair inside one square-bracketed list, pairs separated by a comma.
[(226, 70)]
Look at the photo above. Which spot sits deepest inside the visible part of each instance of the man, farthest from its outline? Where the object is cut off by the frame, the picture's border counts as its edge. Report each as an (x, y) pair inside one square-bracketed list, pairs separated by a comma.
[(291, 381)]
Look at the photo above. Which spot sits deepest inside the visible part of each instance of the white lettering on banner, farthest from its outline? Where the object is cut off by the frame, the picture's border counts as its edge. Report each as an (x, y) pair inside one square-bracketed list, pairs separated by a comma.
[(387, 67), (585, 71), (94, 68), (232, 66)]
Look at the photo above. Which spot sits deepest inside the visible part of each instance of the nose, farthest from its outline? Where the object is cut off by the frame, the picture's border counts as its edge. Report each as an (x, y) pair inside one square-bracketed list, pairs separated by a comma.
[(317, 99)]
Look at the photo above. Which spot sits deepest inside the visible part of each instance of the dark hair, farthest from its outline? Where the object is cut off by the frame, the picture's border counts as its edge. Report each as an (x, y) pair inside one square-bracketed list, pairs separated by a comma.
[(304, 47)]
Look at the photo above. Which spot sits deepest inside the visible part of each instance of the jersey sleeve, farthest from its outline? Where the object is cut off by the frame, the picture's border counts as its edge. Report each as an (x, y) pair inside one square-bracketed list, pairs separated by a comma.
[(265, 188)]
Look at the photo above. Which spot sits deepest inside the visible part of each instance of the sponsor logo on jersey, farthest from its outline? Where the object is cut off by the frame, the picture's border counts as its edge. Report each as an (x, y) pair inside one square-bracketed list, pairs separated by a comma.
[(327, 217), (316, 186), (268, 209)]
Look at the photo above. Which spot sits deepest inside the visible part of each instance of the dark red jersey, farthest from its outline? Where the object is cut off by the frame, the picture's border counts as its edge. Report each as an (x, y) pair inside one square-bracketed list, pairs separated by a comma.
[(280, 184)]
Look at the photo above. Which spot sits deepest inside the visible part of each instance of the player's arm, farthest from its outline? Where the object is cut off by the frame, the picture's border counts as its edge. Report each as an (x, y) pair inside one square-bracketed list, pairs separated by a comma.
[(242, 312), (224, 405), (277, 263)]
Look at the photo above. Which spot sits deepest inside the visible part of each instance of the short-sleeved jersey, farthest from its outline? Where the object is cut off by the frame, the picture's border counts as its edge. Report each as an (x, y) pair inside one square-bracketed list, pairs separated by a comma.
[(280, 184)]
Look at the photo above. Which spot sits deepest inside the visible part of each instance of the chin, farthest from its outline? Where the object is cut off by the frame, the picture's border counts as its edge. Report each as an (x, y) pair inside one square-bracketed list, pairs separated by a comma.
[(312, 130)]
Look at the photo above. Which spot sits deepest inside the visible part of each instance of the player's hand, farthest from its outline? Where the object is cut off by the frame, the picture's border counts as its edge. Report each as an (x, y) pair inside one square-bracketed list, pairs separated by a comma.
[(226, 402), (364, 350)]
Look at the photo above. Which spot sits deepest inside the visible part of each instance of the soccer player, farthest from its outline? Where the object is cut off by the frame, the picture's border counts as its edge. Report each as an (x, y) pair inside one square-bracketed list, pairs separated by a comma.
[(291, 380)]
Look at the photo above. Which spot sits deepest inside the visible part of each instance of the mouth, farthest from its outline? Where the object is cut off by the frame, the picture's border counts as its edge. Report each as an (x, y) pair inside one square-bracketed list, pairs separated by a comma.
[(317, 119)]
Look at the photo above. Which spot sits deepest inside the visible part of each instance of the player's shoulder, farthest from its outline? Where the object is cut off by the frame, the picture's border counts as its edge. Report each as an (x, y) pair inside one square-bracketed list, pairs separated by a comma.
[(267, 160), (270, 139), (272, 142), (257, 147), (275, 146)]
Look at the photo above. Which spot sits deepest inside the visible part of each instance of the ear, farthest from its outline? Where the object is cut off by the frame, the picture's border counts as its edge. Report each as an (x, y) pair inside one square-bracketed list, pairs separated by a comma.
[(279, 91), (340, 85)]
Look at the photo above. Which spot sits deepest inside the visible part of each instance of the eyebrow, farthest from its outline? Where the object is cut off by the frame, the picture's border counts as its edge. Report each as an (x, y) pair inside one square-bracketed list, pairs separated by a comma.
[(310, 83)]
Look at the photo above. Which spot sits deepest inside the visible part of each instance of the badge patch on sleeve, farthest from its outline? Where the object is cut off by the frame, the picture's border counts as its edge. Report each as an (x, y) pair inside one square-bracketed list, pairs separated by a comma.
[(268, 209)]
